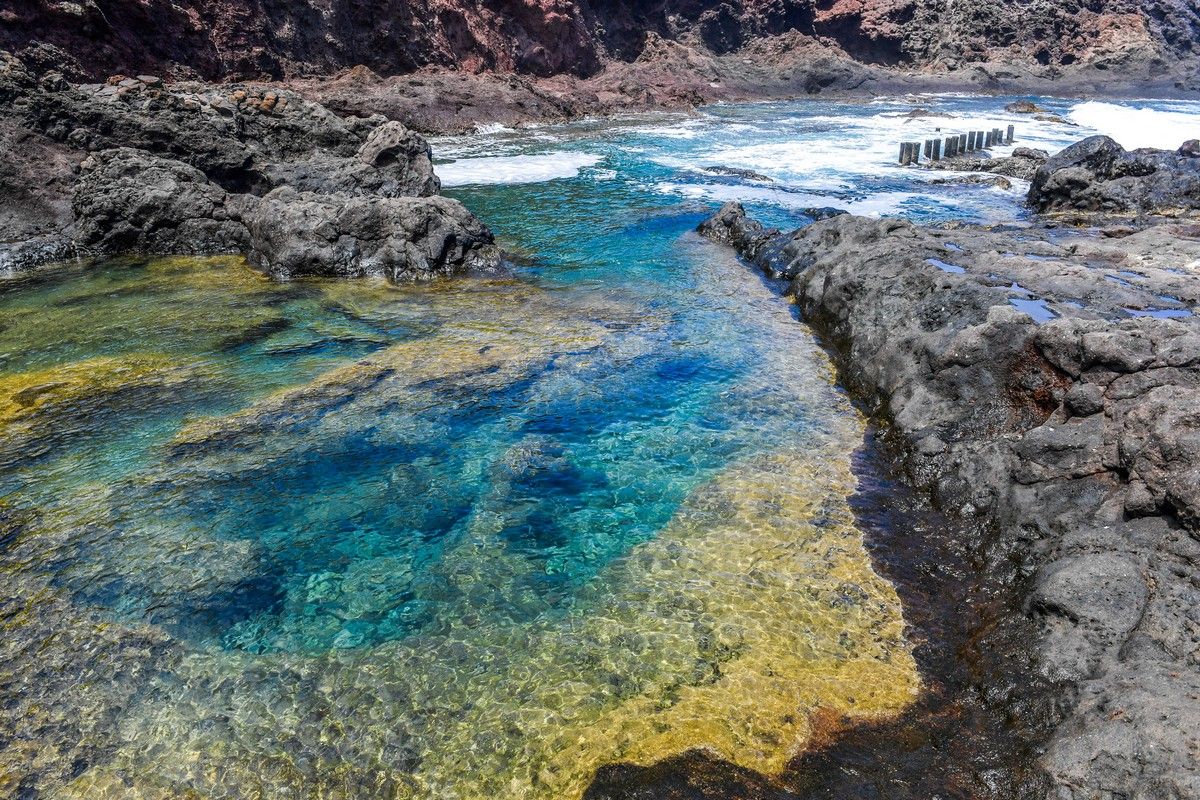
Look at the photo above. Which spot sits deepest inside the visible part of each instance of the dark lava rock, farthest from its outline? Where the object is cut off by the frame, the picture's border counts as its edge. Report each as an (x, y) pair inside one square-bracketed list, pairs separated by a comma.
[(129, 199), (736, 172), (997, 181), (1023, 163), (925, 113), (1099, 175), (193, 169), (1035, 389), (401, 238), (824, 212), (36, 177), (1190, 148), (1023, 107)]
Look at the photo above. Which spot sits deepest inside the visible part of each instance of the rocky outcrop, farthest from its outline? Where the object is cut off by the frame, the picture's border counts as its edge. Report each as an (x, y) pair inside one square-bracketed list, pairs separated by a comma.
[(401, 238), (1099, 175), (129, 199), (1049, 389), (219, 39), (198, 170), (1023, 163)]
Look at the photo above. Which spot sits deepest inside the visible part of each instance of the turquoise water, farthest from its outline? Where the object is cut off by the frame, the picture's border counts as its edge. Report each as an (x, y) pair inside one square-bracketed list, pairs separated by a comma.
[(473, 539)]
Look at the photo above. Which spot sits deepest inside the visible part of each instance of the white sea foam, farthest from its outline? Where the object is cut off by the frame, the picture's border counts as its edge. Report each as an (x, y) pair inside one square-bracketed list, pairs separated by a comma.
[(515, 169), (492, 129), (876, 205), (1139, 126)]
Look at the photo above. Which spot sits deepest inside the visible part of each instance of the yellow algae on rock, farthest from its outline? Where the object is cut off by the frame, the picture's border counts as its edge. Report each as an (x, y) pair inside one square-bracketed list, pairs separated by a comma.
[(24, 395), (168, 305), (40, 407), (753, 611)]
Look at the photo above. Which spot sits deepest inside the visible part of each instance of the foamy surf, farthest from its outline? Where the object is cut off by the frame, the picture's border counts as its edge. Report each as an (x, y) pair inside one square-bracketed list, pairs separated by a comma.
[(509, 170), (1136, 127)]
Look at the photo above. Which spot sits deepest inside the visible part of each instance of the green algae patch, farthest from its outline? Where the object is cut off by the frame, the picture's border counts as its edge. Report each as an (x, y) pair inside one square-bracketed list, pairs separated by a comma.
[(180, 306), (41, 408), (27, 395)]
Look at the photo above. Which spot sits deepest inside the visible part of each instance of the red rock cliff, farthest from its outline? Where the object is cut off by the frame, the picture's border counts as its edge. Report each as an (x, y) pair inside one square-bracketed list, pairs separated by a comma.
[(217, 39)]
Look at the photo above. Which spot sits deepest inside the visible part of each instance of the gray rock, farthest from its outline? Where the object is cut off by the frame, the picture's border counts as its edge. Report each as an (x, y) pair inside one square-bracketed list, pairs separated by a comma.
[(1098, 175), (737, 172), (192, 169), (405, 156), (129, 199), (294, 234), (1076, 434)]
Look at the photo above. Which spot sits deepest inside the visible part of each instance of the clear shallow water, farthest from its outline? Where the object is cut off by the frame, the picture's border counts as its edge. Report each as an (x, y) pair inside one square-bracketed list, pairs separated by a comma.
[(467, 540)]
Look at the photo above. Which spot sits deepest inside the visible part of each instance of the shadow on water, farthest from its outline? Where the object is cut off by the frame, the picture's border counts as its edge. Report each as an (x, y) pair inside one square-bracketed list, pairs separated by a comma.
[(963, 738), (970, 735)]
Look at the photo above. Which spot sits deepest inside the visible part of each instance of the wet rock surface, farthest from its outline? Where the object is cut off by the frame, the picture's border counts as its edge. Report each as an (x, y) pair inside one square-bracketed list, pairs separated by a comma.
[(192, 169), (1043, 383), (1023, 163)]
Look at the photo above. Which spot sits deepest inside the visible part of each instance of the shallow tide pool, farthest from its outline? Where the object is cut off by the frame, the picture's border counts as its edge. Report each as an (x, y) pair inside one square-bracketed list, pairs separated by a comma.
[(467, 540)]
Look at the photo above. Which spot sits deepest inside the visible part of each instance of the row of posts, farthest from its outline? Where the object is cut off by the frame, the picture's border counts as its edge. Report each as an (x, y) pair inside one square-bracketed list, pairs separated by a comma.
[(937, 149)]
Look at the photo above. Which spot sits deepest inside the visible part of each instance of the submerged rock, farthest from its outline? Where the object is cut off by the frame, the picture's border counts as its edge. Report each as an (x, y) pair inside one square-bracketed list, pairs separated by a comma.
[(737, 172), (1024, 107)]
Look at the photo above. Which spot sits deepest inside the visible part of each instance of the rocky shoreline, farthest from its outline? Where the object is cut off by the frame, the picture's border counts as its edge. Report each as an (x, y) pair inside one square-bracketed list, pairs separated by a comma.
[(1042, 386)]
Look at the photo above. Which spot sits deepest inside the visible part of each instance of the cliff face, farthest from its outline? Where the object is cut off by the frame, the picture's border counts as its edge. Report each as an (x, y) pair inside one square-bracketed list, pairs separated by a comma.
[(224, 39)]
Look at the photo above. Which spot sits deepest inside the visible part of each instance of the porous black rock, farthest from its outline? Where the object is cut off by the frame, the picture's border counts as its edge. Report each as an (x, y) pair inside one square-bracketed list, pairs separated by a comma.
[(201, 169), (128, 199), (1098, 175), (294, 234), (1033, 389)]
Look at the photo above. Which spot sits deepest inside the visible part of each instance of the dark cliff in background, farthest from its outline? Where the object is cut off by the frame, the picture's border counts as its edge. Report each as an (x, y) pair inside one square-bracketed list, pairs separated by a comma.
[(228, 39)]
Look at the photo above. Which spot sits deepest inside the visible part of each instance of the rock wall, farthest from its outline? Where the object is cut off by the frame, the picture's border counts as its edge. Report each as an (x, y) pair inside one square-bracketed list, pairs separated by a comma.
[(220, 39), (1047, 387)]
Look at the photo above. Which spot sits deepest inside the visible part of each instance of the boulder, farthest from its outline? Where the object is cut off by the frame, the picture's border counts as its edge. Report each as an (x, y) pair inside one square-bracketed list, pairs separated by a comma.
[(405, 156), (1023, 107), (128, 199), (295, 234), (1099, 175), (392, 162)]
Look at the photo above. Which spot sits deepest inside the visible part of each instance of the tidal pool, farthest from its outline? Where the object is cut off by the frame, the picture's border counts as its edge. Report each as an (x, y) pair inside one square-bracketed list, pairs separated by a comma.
[(467, 540)]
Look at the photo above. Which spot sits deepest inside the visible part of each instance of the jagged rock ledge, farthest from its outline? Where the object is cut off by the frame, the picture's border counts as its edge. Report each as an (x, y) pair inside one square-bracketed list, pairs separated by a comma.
[(1046, 384), (133, 165)]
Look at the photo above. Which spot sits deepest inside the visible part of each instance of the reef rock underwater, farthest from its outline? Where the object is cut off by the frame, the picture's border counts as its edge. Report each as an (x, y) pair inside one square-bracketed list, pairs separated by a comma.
[(471, 540), (339, 462)]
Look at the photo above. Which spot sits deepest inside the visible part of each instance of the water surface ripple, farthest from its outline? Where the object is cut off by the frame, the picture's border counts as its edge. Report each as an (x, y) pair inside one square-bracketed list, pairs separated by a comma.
[(467, 540)]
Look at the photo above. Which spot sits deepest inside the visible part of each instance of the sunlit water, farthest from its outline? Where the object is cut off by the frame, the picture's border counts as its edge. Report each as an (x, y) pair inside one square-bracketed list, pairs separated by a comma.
[(469, 540)]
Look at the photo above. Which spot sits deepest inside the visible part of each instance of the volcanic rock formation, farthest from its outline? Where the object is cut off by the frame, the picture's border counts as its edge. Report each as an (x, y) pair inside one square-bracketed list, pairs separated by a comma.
[(202, 170), (1045, 383), (218, 39)]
